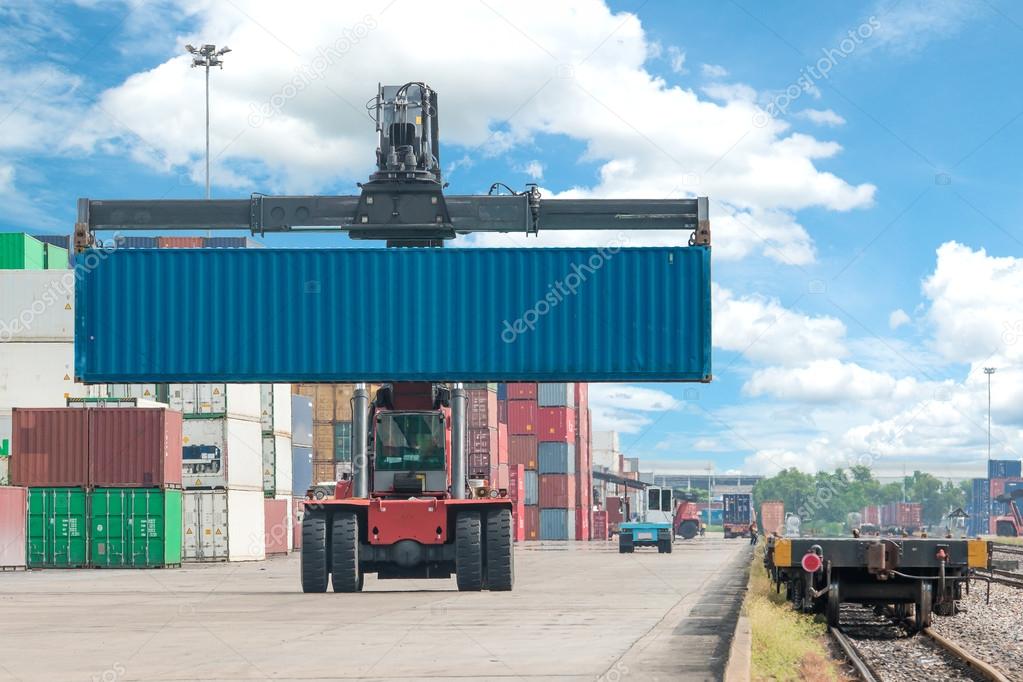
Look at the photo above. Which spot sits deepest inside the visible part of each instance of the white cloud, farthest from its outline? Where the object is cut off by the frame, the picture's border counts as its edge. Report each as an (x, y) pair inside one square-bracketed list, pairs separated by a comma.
[(303, 87), (713, 71), (6, 178), (830, 381), (534, 169), (763, 330), (898, 318), (677, 58), (821, 117), (730, 92), (910, 25), (625, 407)]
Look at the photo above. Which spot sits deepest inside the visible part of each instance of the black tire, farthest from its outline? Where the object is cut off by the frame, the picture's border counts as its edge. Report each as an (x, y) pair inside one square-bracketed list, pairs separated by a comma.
[(315, 569), (500, 555), (319, 494), (625, 545), (945, 608), (688, 529), (344, 549), (468, 552)]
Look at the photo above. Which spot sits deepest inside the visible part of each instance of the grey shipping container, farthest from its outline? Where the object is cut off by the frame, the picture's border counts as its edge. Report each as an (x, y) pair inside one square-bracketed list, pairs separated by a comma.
[(556, 458), (301, 469), (556, 395), (136, 242), (557, 524), (230, 243), (532, 484), (301, 420)]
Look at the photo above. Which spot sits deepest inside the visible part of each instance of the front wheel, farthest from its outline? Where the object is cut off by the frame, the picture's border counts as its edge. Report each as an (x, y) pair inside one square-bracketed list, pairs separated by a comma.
[(625, 545), (500, 556), (468, 552), (345, 573)]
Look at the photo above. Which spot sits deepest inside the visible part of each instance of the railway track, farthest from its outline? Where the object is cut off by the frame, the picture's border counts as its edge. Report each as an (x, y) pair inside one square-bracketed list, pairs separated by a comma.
[(1010, 578), (881, 650)]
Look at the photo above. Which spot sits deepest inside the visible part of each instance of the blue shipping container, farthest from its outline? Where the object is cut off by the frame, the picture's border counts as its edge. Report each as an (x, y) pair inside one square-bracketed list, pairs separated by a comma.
[(394, 315), (302, 420), (230, 243), (1005, 468), (302, 469), (555, 395), (502, 391), (555, 458), (557, 524), (532, 484)]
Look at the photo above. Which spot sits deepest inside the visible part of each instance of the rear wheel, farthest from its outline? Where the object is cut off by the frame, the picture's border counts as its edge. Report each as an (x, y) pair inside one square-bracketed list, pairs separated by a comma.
[(314, 552), (688, 529), (834, 604), (500, 556), (625, 545), (345, 574), (923, 606), (468, 552)]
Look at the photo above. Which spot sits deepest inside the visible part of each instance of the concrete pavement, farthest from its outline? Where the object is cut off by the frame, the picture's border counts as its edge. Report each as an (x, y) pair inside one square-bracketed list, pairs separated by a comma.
[(579, 611)]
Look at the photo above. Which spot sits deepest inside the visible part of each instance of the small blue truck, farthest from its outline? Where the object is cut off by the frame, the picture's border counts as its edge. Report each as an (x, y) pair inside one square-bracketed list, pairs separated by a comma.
[(655, 530)]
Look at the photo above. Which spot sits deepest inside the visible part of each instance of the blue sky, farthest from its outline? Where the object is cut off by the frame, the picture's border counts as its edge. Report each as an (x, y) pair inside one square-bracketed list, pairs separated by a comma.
[(829, 206)]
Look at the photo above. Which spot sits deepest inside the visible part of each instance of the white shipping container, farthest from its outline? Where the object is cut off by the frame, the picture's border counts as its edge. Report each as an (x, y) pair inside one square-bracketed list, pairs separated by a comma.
[(223, 525), (137, 391), (37, 305), (39, 375), (222, 453), (240, 401), (277, 466), (605, 440), (275, 408)]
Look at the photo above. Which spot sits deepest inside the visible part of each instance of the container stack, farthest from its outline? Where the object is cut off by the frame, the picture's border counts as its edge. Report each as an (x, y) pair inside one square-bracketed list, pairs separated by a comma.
[(37, 327), (104, 486), (332, 428), (548, 435), (301, 461), (222, 471), (487, 451), (275, 424), (772, 517)]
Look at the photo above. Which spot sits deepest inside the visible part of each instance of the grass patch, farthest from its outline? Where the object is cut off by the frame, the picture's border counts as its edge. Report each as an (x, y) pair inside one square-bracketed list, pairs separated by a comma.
[(786, 645)]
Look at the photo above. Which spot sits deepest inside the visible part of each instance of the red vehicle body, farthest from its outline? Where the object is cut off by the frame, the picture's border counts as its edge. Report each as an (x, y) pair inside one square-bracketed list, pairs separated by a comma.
[(1010, 525), (687, 519), (410, 525)]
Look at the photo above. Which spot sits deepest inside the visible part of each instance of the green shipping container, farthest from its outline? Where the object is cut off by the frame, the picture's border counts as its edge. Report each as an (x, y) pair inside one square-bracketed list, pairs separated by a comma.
[(135, 527), (57, 528), (55, 258), (19, 251)]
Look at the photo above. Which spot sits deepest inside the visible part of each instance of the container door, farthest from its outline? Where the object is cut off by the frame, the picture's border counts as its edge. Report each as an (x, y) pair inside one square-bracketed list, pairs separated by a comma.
[(215, 534), (266, 405), (145, 525), (109, 522), (269, 464), (57, 527)]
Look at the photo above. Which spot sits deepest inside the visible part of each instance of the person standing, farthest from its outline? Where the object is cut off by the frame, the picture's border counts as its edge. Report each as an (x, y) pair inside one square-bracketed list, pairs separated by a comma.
[(753, 533)]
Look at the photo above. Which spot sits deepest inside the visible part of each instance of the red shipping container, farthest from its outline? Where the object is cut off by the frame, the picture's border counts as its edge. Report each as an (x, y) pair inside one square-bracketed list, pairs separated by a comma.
[(871, 515), (519, 520), (521, 417), (482, 408), (522, 450), (483, 441), (557, 491), (134, 447), (522, 391), (276, 519), (297, 513), (599, 525), (998, 485), (532, 517), (615, 511), (179, 242), (13, 524), (502, 444), (517, 483), (50, 447), (556, 424), (582, 395), (582, 523), (481, 466)]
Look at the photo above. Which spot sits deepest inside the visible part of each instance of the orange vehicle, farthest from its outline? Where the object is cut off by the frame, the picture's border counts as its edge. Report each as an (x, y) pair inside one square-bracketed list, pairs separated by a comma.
[(409, 511), (687, 518)]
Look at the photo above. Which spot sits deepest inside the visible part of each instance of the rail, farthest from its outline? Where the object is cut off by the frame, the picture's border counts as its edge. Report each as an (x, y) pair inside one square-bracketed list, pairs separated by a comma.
[(864, 670), (988, 671)]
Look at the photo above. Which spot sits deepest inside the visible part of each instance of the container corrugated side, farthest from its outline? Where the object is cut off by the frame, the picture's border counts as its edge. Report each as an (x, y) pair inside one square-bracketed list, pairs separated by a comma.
[(37, 305), (19, 251), (222, 452), (522, 418), (557, 491), (657, 301), (246, 540), (13, 524), (531, 481), (557, 524), (223, 525), (556, 395), (49, 447), (134, 447), (276, 525), (522, 450), (556, 458)]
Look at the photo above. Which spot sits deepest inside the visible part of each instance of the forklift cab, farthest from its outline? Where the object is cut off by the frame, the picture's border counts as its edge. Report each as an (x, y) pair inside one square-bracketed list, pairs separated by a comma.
[(660, 506)]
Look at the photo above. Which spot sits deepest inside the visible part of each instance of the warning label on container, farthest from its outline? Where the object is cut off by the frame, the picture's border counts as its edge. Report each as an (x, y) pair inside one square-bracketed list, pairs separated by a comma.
[(218, 532), (67, 377), (67, 306), (188, 531), (198, 482), (206, 531), (216, 391)]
